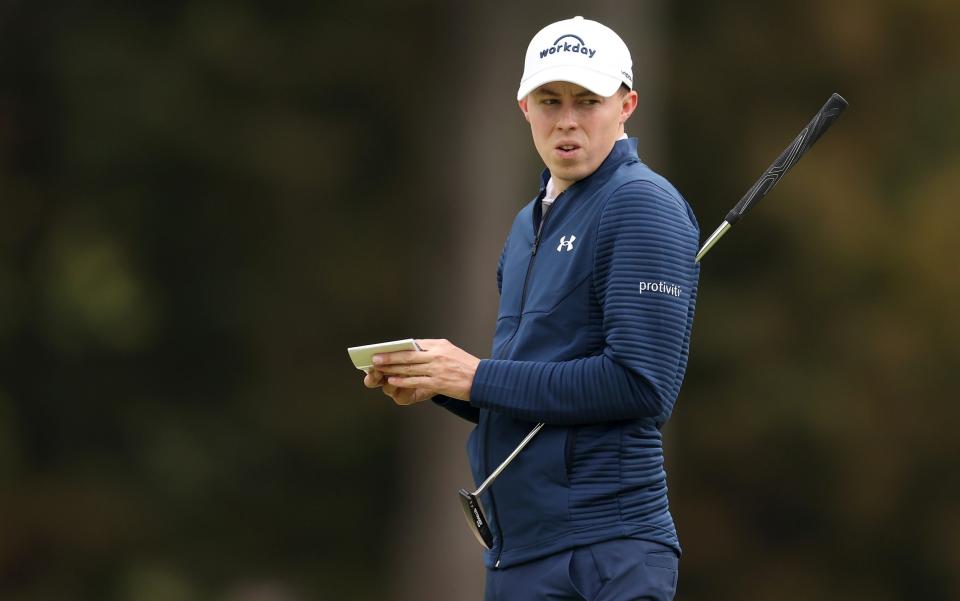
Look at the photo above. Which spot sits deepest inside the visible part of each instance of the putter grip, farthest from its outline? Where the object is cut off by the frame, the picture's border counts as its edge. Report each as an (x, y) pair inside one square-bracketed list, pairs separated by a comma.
[(810, 134)]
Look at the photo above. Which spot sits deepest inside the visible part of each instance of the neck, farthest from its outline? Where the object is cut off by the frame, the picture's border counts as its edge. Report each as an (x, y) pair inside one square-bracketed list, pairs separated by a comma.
[(559, 185)]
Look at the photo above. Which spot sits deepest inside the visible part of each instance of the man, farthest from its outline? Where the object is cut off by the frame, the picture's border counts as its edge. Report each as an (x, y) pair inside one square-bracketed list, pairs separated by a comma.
[(597, 292)]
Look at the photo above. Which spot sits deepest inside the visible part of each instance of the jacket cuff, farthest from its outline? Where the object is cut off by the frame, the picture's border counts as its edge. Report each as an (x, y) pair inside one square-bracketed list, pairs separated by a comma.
[(490, 383), (457, 407)]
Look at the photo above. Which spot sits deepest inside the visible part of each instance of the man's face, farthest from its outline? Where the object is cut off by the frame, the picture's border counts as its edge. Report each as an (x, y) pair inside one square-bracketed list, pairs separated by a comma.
[(574, 129)]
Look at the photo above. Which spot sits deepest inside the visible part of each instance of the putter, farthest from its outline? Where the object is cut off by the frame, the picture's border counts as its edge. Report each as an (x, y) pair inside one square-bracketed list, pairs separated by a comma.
[(473, 511)]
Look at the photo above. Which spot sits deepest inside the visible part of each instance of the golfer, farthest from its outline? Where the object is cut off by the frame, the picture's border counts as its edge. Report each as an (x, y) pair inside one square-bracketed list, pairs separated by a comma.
[(597, 292)]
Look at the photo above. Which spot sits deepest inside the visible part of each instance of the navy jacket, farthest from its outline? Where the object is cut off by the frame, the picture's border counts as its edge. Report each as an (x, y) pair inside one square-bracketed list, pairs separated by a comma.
[(592, 338)]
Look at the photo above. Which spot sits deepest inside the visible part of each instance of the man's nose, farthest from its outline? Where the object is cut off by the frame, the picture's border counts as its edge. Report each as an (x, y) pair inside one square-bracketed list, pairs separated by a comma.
[(568, 118)]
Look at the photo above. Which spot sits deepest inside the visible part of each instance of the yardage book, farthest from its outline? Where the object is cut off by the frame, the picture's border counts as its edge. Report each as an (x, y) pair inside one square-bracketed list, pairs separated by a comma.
[(362, 356)]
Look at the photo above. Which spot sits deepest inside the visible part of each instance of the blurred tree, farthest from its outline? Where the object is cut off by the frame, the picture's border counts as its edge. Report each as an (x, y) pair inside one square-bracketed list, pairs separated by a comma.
[(202, 204), (192, 194), (815, 448)]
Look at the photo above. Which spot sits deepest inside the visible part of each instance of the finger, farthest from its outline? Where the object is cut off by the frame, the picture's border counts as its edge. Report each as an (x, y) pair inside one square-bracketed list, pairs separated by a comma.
[(400, 396), (373, 379), (407, 382), (400, 357), (429, 343), (417, 369), (420, 395), (405, 397), (393, 392)]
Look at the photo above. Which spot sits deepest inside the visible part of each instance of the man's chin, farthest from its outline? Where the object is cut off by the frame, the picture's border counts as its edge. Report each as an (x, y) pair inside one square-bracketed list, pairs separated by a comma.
[(567, 172)]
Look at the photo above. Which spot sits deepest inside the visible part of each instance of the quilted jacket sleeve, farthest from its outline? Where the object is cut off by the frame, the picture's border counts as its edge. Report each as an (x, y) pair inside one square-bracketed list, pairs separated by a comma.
[(645, 280)]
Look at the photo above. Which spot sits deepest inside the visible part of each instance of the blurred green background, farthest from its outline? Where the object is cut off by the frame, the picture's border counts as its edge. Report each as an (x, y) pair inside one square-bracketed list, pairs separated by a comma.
[(202, 204)]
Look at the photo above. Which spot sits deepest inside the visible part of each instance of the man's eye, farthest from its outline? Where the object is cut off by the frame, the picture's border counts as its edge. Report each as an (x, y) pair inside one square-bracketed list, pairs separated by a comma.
[(549, 101), (590, 101)]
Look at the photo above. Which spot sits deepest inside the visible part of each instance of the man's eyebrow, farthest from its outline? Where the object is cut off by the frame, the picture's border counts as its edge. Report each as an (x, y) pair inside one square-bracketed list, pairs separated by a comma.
[(585, 93), (547, 91)]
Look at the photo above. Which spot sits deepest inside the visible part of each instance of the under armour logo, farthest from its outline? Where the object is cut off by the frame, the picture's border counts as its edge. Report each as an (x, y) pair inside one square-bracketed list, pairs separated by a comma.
[(566, 244)]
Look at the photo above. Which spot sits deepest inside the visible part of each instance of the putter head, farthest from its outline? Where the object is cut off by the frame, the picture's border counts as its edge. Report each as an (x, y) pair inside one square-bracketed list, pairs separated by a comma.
[(473, 512)]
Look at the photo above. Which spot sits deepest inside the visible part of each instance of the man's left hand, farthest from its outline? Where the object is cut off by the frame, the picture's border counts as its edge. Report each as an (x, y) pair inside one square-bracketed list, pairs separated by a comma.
[(440, 368)]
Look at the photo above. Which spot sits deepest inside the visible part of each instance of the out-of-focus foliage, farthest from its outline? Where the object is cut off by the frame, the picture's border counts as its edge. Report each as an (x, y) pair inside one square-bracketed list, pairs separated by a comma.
[(202, 203), (186, 245), (817, 447)]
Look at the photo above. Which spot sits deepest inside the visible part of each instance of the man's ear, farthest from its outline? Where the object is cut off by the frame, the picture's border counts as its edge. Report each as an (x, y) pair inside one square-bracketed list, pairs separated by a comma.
[(629, 105), (523, 108)]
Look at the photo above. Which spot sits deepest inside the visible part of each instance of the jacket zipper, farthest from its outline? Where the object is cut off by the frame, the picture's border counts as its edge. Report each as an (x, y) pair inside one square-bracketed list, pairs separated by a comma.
[(523, 301), (526, 277)]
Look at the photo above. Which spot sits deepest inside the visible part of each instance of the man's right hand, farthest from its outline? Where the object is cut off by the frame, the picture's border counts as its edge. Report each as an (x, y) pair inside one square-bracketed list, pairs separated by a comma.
[(400, 396)]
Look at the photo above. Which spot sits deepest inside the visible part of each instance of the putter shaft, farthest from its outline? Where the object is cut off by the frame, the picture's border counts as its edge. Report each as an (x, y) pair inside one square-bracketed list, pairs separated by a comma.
[(714, 237), (506, 462)]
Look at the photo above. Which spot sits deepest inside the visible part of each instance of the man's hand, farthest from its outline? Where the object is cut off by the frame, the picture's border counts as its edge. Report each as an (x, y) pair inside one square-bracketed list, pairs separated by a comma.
[(412, 376), (400, 396)]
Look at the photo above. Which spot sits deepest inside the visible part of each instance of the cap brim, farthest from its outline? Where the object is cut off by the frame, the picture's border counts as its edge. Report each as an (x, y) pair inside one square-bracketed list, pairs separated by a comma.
[(598, 83)]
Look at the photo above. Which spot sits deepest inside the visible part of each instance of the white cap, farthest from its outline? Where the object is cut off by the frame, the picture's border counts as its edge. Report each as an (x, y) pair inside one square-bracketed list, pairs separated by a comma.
[(579, 51)]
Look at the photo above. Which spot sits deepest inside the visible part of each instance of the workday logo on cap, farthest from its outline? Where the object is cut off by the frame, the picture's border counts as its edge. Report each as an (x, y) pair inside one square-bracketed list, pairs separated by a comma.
[(578, 46), (578, 51)]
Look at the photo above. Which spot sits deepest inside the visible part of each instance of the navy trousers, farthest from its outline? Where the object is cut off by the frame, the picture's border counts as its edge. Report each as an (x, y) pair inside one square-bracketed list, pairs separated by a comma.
[(622, 569)]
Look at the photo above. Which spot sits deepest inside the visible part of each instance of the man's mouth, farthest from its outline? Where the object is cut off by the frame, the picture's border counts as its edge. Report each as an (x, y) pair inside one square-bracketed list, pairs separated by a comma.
[(567, 150)]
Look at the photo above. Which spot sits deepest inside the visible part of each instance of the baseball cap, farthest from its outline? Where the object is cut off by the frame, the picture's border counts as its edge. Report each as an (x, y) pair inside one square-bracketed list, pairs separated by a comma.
[(579, 51)]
